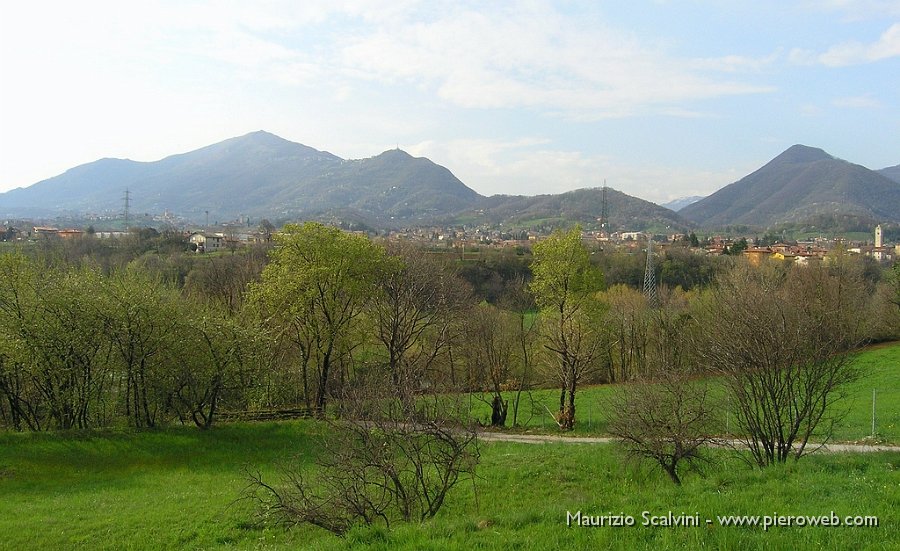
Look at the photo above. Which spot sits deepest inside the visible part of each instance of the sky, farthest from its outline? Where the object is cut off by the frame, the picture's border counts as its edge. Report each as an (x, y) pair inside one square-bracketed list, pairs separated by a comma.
[(659, 99)]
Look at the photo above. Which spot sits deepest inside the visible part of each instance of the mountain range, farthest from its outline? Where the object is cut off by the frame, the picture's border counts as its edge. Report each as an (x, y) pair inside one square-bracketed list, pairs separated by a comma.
[(264, 176)]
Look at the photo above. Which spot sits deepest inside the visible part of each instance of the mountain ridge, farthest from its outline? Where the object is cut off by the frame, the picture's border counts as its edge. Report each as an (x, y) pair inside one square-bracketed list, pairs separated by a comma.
[(800, 183), (263, 175)]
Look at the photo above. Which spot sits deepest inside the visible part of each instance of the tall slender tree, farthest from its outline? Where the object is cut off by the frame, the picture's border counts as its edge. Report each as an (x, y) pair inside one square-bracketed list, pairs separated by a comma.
[(564, 285)]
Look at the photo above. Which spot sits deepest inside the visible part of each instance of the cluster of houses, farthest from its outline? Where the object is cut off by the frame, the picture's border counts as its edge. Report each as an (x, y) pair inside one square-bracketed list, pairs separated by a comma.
[(461, 237), (204, 241)]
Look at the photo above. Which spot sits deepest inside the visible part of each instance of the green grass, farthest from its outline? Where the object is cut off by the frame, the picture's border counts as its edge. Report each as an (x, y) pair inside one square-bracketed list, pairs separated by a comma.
[(178, 488), (879, 367), (171, 488)]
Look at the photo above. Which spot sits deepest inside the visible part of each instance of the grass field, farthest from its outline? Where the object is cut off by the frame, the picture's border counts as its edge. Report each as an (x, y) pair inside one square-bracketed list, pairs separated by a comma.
[(179, 488), (879, 367)]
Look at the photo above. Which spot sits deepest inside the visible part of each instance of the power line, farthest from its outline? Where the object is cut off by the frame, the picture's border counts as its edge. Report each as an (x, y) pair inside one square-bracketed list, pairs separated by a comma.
[(650, 277), (127, 200)]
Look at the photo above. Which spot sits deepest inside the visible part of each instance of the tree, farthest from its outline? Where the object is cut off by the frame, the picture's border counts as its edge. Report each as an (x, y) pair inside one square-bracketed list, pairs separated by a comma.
[(667, 414), (782, 343), (216, 352), (739, 246), (564, 286), (315, 288), (224, 279), (139, 317), (519, 302), (266, 229), (413, 311), (20, 279), (380, 463), (491, 344), (667, 419), (627, 322), (896, 284), (53, 356)]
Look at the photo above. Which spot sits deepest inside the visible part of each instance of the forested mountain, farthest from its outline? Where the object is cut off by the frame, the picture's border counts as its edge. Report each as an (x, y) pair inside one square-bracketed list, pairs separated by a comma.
[(801, 183), (257, 174), (892, 172), (263, 175), (583, 206)]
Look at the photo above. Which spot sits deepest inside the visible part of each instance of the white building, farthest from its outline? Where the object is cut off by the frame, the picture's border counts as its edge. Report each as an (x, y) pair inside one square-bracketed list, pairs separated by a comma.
[(208, 243)]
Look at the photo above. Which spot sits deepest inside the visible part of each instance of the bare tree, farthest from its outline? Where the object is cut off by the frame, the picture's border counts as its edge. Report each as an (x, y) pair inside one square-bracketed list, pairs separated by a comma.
[(667, 420), (782, 343), (666, 415), (523, 309), (489, 353), (378, 464), (627, 324), (415, 306)]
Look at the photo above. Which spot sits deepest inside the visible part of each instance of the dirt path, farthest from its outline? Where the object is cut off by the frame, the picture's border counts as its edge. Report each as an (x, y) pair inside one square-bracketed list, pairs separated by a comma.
[(552, 439)]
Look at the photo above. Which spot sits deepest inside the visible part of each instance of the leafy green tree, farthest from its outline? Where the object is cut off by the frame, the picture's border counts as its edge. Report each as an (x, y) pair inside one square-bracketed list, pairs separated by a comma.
[(314, 291), (212, 363), (54, 368), (23, 403), (739, 246), (564, 286), (139, 316), (896, 278)]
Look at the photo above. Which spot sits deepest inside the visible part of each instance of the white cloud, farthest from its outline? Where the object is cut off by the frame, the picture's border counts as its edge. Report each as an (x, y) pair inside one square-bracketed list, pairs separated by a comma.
[(737, 63), (866, 101), (857, 9), (853, 53), (535, 57)]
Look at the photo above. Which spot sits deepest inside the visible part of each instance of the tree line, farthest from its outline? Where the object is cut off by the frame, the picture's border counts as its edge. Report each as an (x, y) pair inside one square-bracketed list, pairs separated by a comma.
[(153, 334)]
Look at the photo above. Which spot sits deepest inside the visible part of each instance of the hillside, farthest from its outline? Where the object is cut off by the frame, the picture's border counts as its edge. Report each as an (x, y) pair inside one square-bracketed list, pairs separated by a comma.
[(583, 206), (258, 174), (262, 175), (801, 183), (892, 172)]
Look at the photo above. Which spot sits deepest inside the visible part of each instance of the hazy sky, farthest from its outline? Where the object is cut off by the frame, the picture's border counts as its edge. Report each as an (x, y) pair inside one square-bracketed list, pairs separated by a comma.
[(660, 98)]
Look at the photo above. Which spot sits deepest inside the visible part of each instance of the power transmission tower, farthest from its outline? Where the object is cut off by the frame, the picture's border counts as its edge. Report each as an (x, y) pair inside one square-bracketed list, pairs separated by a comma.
[(650, 277), (604, 212), (127, 200)]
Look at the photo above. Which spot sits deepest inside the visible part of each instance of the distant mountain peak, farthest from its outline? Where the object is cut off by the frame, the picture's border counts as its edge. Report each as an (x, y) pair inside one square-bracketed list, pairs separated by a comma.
[(800, 184), (803, 154), (395, 154), (678, 204)]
